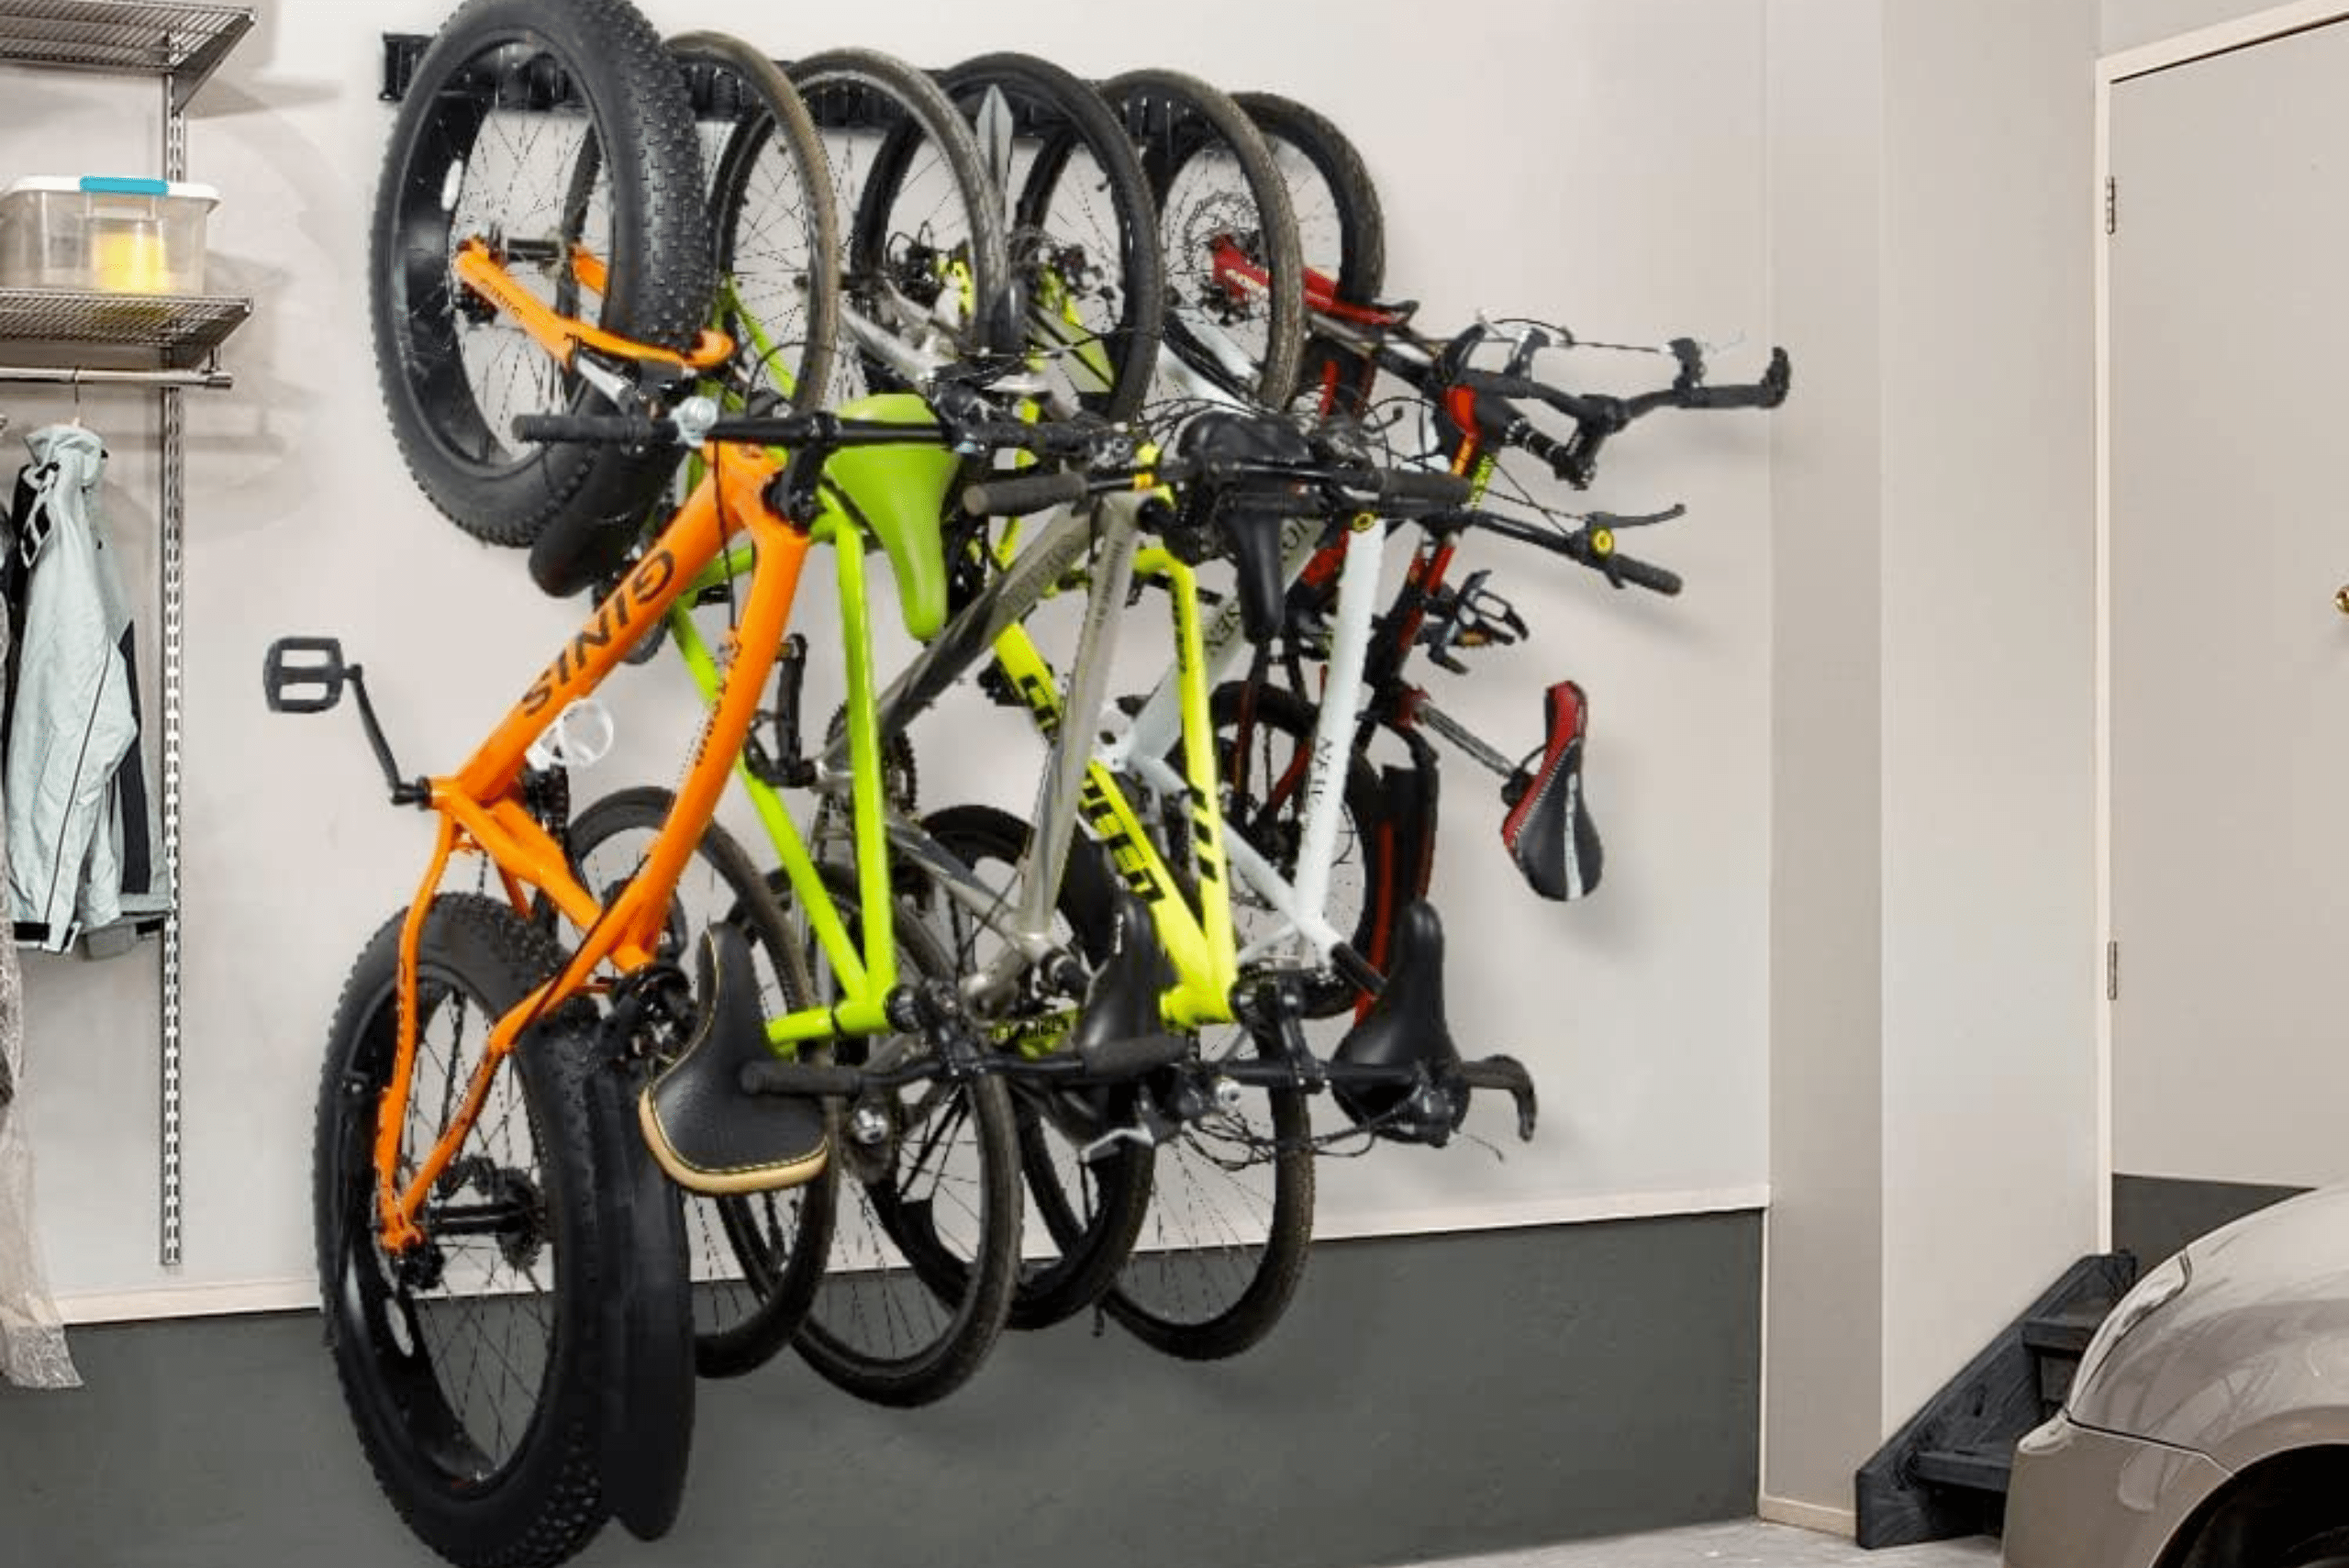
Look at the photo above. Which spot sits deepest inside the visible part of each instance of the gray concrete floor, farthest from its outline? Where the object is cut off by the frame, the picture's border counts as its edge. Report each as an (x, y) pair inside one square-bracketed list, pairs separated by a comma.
[(1749, 1544)]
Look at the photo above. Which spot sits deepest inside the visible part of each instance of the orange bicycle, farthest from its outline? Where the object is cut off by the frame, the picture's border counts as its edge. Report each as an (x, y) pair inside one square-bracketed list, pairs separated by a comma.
[(502, 1260)]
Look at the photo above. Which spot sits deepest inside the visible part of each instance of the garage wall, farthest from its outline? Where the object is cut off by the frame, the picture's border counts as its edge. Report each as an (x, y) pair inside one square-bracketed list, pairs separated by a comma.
[(1826, 1274), (1991, 951), (1933, 1106), (2128, 23), (1619, 183)]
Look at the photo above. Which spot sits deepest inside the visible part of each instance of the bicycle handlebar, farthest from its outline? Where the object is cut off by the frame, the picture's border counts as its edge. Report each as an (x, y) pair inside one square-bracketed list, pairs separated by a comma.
[(810, 429), (1582, 547), (1022, 493), (1597, 417), (580, 429), (1396, 488)]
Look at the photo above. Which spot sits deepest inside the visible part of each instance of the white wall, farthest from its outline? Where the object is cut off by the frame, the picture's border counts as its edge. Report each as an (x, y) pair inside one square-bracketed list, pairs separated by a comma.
[(1826, 1272), (2128, 23), (1933, 946), (1991, 950), (1620, 186)]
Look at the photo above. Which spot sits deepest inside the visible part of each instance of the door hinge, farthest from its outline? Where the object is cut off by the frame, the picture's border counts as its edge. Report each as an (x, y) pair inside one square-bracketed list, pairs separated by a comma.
[(2111, 204), (2112, 971)]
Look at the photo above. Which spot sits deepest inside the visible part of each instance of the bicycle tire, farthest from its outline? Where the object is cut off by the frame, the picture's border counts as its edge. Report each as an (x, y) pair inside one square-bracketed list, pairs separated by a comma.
[(779, 1239), (1281, 712), (1091, 1238), (1349, 248), (843, 90), (1080, 145), (773, 135), (1195, 1298), (981, 1287), (542, 1502), (462, 453), (1178, 121)]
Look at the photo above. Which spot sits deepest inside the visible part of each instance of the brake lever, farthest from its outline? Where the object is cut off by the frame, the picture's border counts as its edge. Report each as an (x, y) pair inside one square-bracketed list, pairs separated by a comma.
[(1520, 359), (1691, 356), (1617, 522)]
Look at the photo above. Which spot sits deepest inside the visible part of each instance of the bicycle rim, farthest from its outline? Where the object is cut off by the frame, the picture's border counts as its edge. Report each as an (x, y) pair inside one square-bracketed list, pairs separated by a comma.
[(471, 1365), (1224, 1247), (1083, 230), (1235, 284), (926, 1244), (539, 131), (926, 253), (1341, 230), (772, 217), (1086, 1213)]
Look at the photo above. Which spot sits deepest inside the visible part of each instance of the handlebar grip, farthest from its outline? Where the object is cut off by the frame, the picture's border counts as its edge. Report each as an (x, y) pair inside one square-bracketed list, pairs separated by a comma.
[(1620, 568), (1767, 393), (1412, 488), (1014, 435), (1647, 575), (599, 429), (1022, 493)]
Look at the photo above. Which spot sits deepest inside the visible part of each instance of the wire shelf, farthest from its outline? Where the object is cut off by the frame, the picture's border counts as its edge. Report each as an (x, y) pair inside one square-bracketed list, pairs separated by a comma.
[(186, 42), (180, 330)]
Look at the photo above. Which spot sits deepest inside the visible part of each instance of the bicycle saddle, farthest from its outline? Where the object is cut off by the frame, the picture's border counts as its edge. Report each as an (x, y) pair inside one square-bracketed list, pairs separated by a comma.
[(1405, 1025), (704, 1128), (899, 495), (1548, 832), (1251, 522), (1120, 1034)]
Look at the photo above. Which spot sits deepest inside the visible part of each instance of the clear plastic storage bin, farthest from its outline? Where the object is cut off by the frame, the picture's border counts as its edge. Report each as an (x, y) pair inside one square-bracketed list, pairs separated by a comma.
[(107, 235)]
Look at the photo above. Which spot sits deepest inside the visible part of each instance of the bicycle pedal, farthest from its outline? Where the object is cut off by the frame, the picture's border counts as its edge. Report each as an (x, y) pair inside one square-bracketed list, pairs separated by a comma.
[(304, 674)]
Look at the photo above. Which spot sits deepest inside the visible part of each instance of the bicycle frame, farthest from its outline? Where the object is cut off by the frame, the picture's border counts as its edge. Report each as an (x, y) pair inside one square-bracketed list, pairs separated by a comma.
[(1302, 905), (1198, 943), (1075, 785), (482, 811)]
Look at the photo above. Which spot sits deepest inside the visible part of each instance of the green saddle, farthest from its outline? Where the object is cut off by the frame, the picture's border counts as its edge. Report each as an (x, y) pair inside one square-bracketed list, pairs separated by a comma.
[(899, 495)]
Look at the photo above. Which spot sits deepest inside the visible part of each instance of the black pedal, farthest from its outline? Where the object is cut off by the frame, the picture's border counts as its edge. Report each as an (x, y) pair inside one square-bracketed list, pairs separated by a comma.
[(304, 674)]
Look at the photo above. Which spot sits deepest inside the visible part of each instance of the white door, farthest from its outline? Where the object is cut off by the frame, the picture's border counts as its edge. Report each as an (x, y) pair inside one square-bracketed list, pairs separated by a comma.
[(2229, 665)]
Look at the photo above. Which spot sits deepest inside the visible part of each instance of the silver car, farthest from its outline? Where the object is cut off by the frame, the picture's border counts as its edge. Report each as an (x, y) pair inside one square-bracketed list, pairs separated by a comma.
[(2208, 1426)]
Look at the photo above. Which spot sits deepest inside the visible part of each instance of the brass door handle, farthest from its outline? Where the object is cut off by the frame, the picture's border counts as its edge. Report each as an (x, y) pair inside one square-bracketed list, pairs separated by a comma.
[(2341, 601)]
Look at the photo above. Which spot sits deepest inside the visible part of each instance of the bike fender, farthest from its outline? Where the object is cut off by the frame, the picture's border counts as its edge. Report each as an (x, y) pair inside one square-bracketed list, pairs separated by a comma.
[(648, 1415)]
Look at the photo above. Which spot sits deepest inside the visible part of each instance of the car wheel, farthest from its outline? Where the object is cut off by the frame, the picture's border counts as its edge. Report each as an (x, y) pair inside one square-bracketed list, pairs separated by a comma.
[(2330, 1549)]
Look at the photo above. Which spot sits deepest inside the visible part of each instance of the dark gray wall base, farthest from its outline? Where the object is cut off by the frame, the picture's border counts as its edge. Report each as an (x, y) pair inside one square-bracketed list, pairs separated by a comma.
[(2156, 1215), (1427, 1397)]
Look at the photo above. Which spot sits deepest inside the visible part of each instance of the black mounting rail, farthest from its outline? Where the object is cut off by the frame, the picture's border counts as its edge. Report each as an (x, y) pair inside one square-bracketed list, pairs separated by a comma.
[(712, 97)]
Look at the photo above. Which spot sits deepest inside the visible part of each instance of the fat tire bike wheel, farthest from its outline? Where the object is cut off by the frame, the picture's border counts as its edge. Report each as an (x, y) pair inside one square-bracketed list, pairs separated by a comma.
[(488, 1444), (1215, 181), (757, 1260), (1091, 1211), (1091, 285), (505, 101), (906, 1314), (918, 218)]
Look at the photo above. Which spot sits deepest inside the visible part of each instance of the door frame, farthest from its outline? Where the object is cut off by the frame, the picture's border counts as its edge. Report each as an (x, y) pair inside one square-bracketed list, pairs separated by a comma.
[(2112, 69)]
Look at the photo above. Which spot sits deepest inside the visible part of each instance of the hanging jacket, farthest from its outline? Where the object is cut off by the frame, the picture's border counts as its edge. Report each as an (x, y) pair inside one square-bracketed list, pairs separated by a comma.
[(80, 835)]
